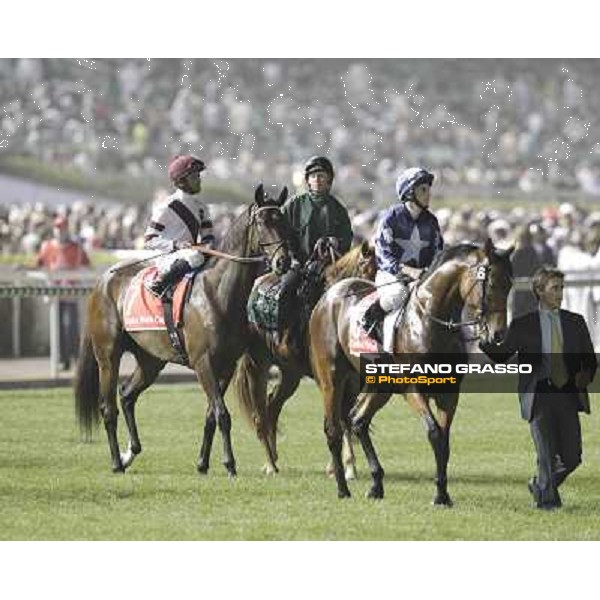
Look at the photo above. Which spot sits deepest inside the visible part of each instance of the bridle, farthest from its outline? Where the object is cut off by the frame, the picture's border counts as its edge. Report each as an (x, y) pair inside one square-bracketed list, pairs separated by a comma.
[(482, 272), (279, 244)]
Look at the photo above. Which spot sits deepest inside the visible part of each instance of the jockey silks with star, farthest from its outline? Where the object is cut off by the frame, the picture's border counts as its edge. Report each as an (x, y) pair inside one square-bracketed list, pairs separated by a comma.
[(407, 240), (178, 224)]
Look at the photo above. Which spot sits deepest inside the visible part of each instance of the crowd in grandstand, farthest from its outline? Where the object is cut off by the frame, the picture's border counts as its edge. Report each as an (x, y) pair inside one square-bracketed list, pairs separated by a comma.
[(510, 123)]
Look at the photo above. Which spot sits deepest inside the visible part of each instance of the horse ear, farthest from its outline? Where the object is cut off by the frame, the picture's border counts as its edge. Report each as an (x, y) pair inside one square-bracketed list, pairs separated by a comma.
[(506, 253), (283, 196), (488, 247), (364, 248), (259, 194)]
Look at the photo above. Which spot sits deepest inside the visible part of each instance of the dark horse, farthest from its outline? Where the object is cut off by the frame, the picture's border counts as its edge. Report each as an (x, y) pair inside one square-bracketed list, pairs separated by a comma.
[(214, 333), (263, 351), (467, 277)]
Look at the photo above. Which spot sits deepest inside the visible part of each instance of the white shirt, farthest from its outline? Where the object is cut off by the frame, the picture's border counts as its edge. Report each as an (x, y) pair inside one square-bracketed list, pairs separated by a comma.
[(181, 218)]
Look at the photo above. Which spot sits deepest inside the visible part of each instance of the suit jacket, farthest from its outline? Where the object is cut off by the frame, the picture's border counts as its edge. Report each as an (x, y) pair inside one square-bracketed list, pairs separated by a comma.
[(524, 337)]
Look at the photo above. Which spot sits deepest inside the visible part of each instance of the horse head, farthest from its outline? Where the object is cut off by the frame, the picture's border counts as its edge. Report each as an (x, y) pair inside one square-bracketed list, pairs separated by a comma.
[(269, 229), (367, 262), (360, 261), (484, 288)]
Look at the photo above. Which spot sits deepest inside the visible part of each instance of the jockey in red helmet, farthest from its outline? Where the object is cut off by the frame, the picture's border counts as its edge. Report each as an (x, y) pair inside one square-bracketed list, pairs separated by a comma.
[(178, 224)]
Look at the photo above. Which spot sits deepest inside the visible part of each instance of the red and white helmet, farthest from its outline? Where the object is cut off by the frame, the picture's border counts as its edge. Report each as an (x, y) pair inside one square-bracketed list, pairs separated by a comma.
[(182, 164)]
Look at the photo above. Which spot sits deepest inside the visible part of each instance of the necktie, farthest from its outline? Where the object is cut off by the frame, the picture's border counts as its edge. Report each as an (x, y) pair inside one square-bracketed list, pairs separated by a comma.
[(558, 370)]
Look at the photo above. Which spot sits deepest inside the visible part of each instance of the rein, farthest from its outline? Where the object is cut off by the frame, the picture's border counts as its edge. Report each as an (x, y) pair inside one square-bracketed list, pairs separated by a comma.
[(231, 257), (453, 326)]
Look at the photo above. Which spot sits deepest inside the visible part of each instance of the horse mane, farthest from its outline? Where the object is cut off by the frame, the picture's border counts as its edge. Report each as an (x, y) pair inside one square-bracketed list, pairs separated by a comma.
[(234, 236), (450, 253), (346, 265)]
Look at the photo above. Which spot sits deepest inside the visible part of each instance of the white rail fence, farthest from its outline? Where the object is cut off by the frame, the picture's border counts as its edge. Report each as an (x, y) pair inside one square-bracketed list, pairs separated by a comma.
[(582, 295)]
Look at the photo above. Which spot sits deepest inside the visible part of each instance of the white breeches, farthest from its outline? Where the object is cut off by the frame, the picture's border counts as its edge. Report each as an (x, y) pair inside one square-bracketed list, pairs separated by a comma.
[(391, 293), (194, 258)]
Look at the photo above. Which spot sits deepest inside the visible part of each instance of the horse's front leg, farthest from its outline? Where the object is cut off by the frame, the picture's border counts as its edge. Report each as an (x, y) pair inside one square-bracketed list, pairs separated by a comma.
[(438, 437), (446, 408), (217, 414)]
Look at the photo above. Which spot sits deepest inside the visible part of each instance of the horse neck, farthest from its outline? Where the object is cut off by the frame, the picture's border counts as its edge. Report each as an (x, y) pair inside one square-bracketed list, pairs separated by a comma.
[(341, 269), (439, 294), (233, 280)]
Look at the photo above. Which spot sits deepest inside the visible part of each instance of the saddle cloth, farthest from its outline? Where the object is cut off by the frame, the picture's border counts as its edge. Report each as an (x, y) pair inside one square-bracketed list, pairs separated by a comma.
[(263, 305), (142, 311), (360, 341)]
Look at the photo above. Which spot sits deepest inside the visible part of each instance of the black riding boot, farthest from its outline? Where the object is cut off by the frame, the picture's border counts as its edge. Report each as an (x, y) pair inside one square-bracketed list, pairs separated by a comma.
[(177, 270), (372, 321)]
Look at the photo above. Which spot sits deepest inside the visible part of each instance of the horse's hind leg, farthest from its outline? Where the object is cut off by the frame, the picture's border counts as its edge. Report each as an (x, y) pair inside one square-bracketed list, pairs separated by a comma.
[(108, 370), (348, 458), (366, 408), (331, 382), (287, 385), (145, 374)]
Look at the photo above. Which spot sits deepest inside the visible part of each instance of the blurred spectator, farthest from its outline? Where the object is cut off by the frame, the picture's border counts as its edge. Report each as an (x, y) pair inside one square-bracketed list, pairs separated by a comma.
[(64, 253), (487, 124), (525, 261)]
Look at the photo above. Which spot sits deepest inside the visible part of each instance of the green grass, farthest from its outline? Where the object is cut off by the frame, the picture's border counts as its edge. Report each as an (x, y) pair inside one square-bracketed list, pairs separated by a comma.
[(54, 487)]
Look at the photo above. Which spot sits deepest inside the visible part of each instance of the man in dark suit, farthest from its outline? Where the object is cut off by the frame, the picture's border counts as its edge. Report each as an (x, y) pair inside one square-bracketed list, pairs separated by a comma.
[(558, 346)]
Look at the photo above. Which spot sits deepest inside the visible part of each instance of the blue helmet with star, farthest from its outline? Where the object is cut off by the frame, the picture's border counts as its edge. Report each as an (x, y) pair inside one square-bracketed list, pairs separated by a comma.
[(409, 179)]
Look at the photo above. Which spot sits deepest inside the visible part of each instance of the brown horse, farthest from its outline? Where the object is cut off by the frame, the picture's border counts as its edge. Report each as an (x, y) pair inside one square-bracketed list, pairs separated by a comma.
[(467, 277), (264, 351), (214, 333)]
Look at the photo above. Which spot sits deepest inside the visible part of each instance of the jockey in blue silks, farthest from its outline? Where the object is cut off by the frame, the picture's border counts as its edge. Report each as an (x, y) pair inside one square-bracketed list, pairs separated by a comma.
[(407, 240)]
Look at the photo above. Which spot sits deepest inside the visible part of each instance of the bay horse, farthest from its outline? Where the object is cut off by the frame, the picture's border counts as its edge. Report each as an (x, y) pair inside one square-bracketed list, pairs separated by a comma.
[(214, 333), (476, 279), (262, 410)]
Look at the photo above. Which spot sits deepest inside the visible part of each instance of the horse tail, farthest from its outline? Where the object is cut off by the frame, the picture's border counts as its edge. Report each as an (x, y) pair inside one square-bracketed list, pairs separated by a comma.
[(87, 387), (251, 390)]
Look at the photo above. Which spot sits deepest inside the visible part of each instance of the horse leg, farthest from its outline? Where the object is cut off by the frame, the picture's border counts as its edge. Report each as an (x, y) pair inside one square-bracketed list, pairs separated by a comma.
[(108, 372), (334, 435), (287, 385), (332, 386), (446, 408), (216, 414), (210, 425), (368, 405), (348, 458), (439, 443), (145, 374)]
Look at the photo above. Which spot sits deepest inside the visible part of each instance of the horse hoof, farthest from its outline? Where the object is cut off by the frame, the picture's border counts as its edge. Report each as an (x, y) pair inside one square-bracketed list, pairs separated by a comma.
[(118, 468), (202, 468), (270, 470), (375, 493), (350, 474), (444, 501), (230, 469), (344, 494)]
